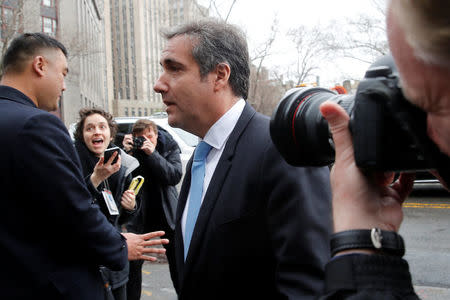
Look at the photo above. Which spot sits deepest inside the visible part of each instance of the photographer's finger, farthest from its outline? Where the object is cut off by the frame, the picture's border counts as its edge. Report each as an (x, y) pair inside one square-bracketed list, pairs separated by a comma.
[(404, 185), (383, 178), (338, 120)]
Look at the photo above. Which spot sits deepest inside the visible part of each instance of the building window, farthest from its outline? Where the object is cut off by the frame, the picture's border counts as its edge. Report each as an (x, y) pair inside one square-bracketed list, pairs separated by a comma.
[(7, 15), (49, 26), (139, 112), (6, 20), (145, 111), (48, 3), (133, 112), (126, 111)]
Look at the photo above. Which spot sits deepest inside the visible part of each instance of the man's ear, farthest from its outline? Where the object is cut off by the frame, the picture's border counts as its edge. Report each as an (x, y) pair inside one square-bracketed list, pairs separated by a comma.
[(39, 65), (223, 72)]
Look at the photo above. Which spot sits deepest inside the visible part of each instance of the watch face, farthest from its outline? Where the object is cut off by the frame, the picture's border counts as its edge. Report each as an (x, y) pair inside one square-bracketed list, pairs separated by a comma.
[(376, 237)]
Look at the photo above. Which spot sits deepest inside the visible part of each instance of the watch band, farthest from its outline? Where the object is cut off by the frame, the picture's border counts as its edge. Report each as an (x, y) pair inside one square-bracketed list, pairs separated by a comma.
[(386, 241)]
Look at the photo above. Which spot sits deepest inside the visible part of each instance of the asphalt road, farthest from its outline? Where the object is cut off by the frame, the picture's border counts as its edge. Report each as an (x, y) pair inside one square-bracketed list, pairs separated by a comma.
[(425, 229), (156, 282)]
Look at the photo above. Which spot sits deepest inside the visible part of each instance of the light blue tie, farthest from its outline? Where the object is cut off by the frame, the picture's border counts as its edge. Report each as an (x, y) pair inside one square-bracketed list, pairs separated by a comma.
[(196, 190)]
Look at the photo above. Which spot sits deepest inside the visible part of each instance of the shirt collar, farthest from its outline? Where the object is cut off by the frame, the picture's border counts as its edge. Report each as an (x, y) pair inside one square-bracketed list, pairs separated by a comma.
[(15, 95), (218, 134)]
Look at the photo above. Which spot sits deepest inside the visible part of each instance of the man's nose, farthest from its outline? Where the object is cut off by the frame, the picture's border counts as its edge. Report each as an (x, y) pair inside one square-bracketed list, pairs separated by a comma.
[(160, 86)]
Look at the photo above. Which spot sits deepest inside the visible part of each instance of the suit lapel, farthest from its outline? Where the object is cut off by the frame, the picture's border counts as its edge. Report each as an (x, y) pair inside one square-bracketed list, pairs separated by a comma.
[(214, 188)]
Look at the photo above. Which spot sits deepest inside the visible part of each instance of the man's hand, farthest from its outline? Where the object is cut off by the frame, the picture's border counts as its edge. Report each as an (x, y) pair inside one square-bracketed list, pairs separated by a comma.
[(148, 147), (103, 170), (128, 200), (127, 142), (361, 201), (138, 243)]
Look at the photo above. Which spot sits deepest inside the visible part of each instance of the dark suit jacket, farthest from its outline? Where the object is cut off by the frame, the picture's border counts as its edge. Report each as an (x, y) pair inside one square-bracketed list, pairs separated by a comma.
[(263, 227), (52, 235), (368, 277)]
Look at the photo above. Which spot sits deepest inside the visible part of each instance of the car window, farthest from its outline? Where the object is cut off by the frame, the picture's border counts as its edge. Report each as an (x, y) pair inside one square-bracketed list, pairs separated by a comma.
[(124, 128), (187, 137)]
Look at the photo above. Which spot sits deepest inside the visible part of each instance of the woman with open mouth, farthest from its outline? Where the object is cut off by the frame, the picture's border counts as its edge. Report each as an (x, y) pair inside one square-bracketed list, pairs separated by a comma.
[(108, 181)]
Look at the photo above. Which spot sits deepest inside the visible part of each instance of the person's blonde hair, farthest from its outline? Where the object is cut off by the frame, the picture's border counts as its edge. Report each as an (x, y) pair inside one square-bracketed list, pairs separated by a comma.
[(426, 24)]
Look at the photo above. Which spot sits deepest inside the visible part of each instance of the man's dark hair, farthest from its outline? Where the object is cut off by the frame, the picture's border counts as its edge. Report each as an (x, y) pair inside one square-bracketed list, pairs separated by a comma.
[(24, 47), (215, 42), (86, 112)]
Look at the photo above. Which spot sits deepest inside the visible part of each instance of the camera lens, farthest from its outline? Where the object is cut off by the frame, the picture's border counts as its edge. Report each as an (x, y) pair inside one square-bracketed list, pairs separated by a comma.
[(298, 129), (138, 142)]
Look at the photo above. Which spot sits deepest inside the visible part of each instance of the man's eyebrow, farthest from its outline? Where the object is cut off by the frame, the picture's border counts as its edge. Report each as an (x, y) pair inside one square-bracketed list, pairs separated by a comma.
[(171, 62)]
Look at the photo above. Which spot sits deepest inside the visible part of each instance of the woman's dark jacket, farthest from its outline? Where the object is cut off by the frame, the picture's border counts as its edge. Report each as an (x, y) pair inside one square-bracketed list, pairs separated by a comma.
[(118, 183), (161, 170)]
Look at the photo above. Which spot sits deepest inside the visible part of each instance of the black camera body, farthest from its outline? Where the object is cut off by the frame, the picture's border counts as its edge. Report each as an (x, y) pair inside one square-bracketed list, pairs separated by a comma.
[(389, 133), (138, 142)]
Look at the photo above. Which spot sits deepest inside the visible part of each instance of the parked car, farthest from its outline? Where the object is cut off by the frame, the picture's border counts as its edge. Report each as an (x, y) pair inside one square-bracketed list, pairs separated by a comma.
[(185, 140), (425, 180)]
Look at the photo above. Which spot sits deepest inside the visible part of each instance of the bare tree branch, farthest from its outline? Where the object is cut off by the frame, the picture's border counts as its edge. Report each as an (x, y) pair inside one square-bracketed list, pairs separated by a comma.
[(311, 46), (363, 39), (213, 6), (229, 10), (264, 52)]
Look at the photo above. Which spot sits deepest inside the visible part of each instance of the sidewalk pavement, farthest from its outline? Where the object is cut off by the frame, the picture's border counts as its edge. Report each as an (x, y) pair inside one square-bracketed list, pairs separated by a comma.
[(157, 285)]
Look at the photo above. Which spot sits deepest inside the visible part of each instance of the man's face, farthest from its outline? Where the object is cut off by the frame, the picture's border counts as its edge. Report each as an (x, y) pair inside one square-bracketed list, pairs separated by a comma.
[(424, 85), (52, 84), (151, 135), (186, 94)]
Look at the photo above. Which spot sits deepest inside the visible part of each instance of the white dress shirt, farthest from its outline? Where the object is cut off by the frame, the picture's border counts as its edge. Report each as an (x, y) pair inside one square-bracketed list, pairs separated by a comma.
[(217, 136)]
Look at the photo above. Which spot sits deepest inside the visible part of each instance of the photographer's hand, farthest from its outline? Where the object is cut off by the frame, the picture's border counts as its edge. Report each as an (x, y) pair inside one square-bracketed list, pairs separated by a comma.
[(103, 170), (148, 147), (127, 142), (361, 201)]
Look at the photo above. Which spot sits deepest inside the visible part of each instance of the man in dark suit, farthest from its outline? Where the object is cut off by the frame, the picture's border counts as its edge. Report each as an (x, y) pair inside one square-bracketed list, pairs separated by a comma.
[(53, 237), (262, 226)]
